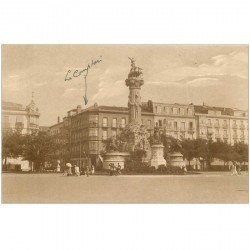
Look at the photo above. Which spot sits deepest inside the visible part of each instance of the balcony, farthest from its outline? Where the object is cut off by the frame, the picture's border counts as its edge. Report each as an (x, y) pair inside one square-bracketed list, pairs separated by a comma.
[(93, 124), (217, 136), (234, 126), (209, 125), (217, 125), (93, 137), (122, 126), (225, 126), (190, 130), (242, 126), (203, 136), (19, 125), (235, 137), (242, 136), (225, 136)]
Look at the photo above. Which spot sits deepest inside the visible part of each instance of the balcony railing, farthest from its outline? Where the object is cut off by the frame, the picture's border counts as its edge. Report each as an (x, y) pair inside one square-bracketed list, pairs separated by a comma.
[(234, 126), (242, 126), (93, 137), (19, 125), (93, 124), (225, 136), (190, 130), (217, 136), (235, 136), (224, 126), (216, 125), (209, 125)]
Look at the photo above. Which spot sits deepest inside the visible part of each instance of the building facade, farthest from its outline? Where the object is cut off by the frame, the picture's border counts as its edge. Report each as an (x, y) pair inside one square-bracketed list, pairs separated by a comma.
[(25, 120), (224, 124), (17, 117), (87, 129), (176, 120)]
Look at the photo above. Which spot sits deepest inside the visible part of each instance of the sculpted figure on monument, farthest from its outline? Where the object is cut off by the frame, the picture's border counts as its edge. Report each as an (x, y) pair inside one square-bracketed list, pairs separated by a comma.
[(157, 137)]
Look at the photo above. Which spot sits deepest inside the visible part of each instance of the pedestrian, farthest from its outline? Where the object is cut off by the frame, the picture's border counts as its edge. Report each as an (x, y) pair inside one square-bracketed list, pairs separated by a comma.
[(92, 169), (110, 169), (77, 171), (58, 167), (238, 168), (119, 168), (69, 168), (234, 171), (87, 171)]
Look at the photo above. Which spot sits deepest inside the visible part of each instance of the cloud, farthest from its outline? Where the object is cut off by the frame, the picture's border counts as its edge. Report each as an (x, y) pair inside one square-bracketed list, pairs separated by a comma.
[(233, 64), (72, 92), (165, 84), (109, 87), (203, 82), (14, 76)]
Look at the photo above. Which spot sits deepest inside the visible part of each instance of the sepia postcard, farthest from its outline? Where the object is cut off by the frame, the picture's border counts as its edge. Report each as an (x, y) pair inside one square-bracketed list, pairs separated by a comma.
[(125, 124)]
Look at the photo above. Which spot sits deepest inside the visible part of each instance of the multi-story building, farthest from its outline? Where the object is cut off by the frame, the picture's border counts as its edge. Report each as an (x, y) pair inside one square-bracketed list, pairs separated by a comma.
[(25, 120), (17, 117), (91, 127), (177, 120), (86, 129), (225, 124)]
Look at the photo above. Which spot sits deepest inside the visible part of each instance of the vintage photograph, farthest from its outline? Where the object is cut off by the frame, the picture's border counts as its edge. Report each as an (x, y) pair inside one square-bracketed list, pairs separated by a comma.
[(125, 124)]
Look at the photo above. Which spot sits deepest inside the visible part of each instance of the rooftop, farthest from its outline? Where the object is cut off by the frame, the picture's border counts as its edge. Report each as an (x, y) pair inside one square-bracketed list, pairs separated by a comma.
[(11, 106)]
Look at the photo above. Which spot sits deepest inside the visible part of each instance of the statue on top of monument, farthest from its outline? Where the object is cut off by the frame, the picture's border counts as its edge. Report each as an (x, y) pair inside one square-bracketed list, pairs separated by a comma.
[(134, 71), (132, 60)]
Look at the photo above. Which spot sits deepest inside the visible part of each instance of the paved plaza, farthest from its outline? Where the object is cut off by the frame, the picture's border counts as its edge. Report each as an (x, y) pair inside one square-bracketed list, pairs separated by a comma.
[(209, 187)]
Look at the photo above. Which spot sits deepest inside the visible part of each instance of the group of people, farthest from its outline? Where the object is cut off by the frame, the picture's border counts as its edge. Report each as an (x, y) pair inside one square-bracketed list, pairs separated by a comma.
[(77, 171), (235, 168), (113, 170)]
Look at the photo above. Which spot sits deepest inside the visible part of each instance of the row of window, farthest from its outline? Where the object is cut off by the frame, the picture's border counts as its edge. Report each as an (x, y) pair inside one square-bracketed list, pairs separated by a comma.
[(114, 122), (217, 122), (93, 132), (170, 124), (173, 110), (225, 132), (85, 120), (92, 145)]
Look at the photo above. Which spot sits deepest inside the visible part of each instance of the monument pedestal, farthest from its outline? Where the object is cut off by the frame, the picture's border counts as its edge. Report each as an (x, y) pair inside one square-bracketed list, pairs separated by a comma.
[(176, 160), (115, 158), (157, 158)]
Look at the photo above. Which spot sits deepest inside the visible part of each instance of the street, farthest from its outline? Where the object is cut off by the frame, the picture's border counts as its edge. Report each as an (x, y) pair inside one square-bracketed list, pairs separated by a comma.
[(208, 187)]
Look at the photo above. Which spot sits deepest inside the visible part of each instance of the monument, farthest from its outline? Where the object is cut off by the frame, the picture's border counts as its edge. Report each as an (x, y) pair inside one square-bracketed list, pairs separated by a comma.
[(157, 149), (138, 136)]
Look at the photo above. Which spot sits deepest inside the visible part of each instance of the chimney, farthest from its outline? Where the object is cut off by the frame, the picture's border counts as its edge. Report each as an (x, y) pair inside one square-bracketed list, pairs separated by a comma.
[(58, 119), (79, 108)]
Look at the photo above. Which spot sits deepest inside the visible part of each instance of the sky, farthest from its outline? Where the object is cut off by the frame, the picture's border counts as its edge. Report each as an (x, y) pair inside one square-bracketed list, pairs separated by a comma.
[(215, 75)]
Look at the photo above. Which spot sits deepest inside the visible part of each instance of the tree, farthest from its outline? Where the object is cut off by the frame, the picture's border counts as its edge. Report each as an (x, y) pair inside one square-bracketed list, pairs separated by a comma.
[(12, 143), (38, 148), (241, 151), (188, 149), (223, 151)]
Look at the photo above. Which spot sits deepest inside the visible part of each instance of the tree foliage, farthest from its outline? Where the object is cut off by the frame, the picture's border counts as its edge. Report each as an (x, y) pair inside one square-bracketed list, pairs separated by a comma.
[(39, 147), (12, 144)]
